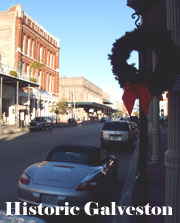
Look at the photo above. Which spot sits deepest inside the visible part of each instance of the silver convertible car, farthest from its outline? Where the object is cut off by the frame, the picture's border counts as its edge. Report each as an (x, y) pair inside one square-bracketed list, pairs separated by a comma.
[(73, 173)]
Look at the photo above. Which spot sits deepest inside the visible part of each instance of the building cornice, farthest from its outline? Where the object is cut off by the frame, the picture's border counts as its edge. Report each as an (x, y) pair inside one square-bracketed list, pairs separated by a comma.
[(44, 30)]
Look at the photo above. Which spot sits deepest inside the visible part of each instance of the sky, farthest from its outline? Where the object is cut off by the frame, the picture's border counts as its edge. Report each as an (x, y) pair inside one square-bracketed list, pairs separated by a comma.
[(86, 29)]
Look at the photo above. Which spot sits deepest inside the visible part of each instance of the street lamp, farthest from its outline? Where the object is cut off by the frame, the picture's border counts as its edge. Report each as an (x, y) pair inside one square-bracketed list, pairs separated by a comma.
[(70, 106), (142, 5), (74, 105), (142, 9)]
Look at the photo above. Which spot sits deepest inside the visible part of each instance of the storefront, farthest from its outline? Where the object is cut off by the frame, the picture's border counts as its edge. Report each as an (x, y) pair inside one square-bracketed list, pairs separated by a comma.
[(11, 105)]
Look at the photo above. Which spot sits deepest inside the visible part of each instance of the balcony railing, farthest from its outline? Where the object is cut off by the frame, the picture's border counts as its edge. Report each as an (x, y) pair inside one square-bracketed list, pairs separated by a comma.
[(5, 69)]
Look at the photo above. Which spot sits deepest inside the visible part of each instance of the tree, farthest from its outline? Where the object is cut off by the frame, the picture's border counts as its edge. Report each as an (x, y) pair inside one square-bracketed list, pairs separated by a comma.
[(59, 108), (36, 65)]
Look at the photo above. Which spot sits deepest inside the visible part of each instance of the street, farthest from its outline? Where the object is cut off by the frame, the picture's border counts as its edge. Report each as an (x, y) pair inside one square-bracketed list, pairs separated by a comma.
[(19, 150)]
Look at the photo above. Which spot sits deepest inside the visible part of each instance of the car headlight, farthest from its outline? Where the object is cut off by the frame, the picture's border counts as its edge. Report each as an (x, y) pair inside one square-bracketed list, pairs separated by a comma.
[(38, 124)]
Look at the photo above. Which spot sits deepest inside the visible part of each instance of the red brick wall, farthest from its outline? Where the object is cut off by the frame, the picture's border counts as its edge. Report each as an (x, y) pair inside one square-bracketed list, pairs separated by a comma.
[(30, 30)]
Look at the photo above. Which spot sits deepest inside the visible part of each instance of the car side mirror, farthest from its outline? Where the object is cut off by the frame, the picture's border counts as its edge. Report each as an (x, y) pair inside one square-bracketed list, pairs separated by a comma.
[(112, 157)]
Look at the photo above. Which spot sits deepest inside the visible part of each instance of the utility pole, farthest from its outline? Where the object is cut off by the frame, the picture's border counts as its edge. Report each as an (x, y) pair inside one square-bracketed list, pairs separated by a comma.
[(1, 86), (17, 104), (74, 105), (28, 103)]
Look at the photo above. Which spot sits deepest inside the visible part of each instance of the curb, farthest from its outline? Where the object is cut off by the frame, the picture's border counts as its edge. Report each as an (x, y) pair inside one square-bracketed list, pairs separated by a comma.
[(127, 191), (26, 129)]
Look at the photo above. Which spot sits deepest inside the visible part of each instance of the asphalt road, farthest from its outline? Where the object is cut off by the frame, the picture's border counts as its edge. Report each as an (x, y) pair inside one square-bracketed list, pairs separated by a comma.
[(19, 150)]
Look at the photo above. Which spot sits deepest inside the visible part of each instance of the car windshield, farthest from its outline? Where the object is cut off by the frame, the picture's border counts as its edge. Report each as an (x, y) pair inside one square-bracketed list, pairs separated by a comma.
[(117, 126), (65, 156), (89, 157)]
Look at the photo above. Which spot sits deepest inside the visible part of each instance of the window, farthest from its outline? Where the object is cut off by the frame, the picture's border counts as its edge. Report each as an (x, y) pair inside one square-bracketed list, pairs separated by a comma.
[(32, 49), (47, 80), (28, 46), (41, 53), (66, 156), (50, 60), (28, 71), (53, 61), (47, 58), (116, 126), (23, 44), (52, 90), (40, 77), (50, 81)]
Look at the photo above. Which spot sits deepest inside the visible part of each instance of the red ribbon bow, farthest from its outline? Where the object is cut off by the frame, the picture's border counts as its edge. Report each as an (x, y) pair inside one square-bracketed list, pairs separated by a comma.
[(134, 91)]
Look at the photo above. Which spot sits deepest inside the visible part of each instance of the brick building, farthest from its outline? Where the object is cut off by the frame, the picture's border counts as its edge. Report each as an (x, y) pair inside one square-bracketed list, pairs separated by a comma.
[(23, 44), (85, 99)]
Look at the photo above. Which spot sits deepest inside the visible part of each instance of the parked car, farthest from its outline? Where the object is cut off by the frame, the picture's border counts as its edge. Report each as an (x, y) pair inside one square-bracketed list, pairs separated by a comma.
[(73, 173), (41, 123), (104, 119), (116, 132)]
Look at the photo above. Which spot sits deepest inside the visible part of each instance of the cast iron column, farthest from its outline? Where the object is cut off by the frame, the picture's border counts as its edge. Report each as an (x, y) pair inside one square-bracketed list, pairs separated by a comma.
[(172, 156), (150, 120), (155, 124), (143, 151), (17, 104), (155, 131), (28, 103)]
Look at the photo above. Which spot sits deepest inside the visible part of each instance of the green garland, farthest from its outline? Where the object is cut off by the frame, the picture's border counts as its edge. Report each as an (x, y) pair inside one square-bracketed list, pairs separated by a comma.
[(141, 39)]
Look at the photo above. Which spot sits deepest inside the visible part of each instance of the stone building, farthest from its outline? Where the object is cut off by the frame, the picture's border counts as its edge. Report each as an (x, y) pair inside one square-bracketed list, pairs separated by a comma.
[(85, 100), (25, 44)]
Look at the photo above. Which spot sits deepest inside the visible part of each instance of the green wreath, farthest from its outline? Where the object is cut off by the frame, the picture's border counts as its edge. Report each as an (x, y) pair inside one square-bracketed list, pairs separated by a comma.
[(141, 39)]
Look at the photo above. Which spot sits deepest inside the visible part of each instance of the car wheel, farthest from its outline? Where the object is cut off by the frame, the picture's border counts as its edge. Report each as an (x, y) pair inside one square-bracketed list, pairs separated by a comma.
[(42, 128)]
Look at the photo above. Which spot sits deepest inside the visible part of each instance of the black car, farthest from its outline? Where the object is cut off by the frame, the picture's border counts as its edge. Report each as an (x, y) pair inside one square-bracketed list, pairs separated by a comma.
[(41, 123)]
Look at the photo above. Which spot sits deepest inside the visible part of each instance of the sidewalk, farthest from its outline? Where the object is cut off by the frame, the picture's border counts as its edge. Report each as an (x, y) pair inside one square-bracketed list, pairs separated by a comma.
[(156, 173), (156, 184), (11, 129)]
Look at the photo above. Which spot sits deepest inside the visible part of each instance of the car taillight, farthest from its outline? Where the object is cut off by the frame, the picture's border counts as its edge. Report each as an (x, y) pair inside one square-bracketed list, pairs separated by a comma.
[(25, 178), (86, 186), (101, 134)]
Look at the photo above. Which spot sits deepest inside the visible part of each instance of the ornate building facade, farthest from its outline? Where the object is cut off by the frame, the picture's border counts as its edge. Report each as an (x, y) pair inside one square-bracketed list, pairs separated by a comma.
[(33, 53)]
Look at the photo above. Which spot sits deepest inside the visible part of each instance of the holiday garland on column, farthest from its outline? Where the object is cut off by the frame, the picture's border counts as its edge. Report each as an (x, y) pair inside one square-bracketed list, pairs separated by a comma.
[(141, 39)]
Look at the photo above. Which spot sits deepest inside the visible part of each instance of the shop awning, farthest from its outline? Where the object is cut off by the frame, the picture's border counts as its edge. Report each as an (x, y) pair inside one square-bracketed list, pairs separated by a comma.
[(105, 101)]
